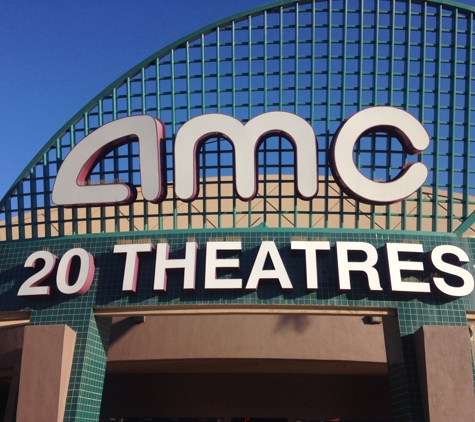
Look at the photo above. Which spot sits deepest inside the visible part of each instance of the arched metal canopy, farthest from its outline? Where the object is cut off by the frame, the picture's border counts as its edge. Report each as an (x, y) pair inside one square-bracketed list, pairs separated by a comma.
[(322, 60)]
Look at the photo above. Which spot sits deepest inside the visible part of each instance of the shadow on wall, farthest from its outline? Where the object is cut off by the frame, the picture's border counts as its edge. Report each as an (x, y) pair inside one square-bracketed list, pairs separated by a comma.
[(294, 323)]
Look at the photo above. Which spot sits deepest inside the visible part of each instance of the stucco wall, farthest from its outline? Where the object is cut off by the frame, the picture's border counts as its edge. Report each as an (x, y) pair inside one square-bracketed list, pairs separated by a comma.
[(284, 337)]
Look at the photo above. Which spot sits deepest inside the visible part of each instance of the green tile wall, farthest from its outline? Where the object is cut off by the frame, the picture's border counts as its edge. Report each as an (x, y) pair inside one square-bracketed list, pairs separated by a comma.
[(85, 390)]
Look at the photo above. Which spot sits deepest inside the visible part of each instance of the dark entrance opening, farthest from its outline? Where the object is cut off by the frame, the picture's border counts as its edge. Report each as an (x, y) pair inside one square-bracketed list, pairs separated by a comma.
[(5, 382)]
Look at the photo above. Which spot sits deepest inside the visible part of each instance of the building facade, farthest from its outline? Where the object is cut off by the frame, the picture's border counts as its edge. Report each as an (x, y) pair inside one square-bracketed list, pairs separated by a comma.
[(269, 219)]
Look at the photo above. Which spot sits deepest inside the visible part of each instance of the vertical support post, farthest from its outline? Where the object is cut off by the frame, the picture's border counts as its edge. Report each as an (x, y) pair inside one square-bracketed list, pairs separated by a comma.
[(425, 361), (84, 394), (406, 400), (445, 370), (45, 372), (88, 372)]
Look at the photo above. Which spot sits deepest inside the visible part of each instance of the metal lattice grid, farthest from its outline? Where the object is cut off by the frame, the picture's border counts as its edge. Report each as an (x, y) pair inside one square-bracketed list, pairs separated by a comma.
[(322, 60)]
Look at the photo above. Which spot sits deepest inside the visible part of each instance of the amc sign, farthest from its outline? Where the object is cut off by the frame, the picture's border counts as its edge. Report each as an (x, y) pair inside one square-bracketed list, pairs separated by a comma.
[(70, 188)]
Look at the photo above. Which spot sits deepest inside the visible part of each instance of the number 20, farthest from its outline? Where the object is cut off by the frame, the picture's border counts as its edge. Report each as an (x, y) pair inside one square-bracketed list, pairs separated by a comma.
[(31, 287)]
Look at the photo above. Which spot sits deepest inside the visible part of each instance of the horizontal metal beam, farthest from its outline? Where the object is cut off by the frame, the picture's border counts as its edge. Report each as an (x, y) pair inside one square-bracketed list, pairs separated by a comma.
[(242, 310)]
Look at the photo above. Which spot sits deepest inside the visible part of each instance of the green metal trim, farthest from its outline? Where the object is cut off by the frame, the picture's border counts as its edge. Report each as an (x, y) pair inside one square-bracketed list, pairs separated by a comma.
[(452, 3), (465, 225), (261, 228)]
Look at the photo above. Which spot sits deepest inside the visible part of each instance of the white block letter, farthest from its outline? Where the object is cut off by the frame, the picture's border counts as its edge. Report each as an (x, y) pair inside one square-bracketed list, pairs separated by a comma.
[(444, 267), (310, 249), (245, 140), (85, 276), (398, 123), (70, 187), (129, 283), (162, 264), (367, 267), (395, 266), (258, 272), (213, 263)]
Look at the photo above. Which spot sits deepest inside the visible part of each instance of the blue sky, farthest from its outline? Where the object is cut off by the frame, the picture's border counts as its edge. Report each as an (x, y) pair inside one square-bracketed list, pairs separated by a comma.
[(56, 55)]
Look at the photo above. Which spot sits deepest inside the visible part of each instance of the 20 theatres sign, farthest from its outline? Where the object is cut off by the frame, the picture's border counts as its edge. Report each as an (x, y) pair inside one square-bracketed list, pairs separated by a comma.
[(449, 279), (71, 189)]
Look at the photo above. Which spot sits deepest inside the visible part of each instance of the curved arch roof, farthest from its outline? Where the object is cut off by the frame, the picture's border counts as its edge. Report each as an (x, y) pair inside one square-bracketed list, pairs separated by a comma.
[(322, 60)]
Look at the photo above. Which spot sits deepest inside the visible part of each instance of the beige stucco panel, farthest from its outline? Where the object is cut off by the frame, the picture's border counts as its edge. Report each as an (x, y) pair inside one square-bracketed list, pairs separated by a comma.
[(284, 337), (45, 371)]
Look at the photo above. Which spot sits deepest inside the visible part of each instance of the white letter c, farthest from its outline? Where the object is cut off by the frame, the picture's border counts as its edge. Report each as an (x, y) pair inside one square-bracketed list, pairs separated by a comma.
[(406, 128)]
